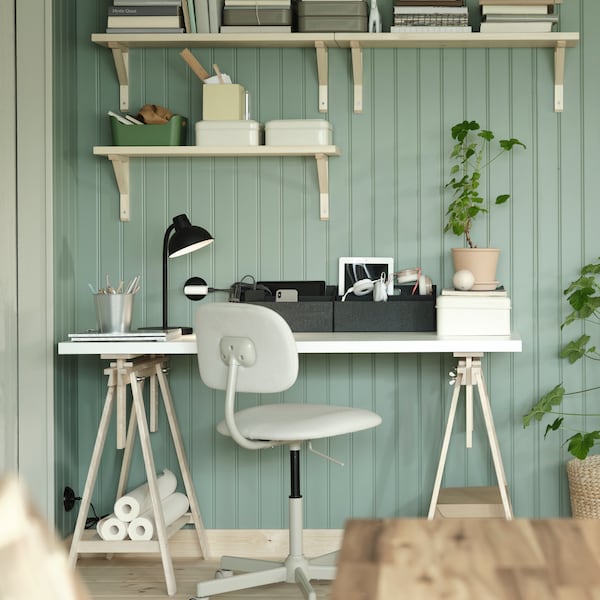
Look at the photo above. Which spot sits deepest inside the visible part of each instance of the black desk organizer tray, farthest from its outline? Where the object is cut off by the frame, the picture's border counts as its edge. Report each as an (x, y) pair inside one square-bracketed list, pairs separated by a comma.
[(402, 312), (309, 314)]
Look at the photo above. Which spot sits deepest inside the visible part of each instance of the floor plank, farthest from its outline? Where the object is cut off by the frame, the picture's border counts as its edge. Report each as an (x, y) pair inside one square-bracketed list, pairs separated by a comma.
[(129, 578)]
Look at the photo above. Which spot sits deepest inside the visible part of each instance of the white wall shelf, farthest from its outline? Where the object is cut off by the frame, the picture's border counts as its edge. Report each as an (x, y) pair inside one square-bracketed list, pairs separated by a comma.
[(121, 43), (120, 155)]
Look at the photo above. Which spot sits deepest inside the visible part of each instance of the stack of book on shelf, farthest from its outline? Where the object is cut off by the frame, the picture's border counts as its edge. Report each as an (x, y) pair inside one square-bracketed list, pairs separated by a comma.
[(514, 16), (145, 16), (349, 16), (257, 16), (430, 16)]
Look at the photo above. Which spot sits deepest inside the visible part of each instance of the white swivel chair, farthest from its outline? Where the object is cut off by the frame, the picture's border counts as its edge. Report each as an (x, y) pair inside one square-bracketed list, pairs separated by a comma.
[(248, 348)]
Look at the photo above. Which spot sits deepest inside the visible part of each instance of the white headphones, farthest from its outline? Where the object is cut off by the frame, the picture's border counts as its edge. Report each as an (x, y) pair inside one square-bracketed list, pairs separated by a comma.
[(422, 283), (360, 288)]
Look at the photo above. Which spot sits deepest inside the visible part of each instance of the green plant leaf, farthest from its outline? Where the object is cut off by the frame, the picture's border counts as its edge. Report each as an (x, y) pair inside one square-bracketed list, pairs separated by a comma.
[(545, 405), (581, 443), (554, 426), (508, 145), (575, 349), (486, 135), (502, 198)]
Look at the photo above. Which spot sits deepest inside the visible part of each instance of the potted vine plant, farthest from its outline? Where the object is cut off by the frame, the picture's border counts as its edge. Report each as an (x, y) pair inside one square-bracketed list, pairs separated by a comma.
[(473, 153), (583, 470)]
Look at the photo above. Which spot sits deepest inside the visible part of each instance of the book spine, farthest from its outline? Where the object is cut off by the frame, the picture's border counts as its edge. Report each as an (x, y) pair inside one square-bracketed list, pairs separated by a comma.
[(145, 21), (419, 29), (145, 30), (135, 11), (192, 12), (517, 2), (147, 2)]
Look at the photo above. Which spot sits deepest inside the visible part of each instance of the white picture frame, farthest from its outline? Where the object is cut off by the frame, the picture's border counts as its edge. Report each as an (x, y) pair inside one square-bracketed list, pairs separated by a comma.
[(354, 268)]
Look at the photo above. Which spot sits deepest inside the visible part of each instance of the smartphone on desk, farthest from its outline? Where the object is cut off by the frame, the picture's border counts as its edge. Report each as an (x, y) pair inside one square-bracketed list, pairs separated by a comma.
[(286, 296)]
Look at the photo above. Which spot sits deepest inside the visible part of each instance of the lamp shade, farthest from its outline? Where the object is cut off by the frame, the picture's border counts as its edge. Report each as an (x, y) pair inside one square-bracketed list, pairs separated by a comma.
[(187, 238)]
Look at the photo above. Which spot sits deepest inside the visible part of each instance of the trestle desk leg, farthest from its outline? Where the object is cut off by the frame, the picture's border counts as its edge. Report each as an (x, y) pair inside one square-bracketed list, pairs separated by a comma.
[(445, 446), (181, 457), (493, 440), (161, 530), (90, 481)]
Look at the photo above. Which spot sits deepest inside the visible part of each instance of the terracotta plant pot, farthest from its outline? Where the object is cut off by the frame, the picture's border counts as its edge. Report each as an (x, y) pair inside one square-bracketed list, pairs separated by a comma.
[(482, 262)]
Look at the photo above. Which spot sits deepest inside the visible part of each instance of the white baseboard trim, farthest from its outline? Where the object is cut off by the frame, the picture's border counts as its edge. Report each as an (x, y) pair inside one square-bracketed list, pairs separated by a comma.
[(259, 543)]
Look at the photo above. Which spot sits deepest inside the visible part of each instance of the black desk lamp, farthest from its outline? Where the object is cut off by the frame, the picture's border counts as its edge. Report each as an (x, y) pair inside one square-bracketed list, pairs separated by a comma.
[(185, 239)]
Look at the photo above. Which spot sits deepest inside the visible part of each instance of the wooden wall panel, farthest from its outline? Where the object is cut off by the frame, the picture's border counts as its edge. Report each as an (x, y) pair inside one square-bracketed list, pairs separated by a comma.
[(387, 198)]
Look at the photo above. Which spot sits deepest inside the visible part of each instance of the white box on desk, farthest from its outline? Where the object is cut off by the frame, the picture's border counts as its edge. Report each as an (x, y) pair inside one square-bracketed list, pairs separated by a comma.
[(298, 132), (228, 133), (473, 314)]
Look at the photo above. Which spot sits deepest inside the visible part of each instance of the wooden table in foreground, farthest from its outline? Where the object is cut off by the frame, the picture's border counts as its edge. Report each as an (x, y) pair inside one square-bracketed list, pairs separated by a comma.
[(469, 559)]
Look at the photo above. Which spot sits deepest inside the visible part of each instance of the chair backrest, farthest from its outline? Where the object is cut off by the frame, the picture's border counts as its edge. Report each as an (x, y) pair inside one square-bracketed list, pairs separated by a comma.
[(274, 367)]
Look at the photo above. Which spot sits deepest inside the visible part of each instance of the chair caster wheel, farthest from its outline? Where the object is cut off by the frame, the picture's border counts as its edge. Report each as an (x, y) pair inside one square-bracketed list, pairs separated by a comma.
[(223, 573)]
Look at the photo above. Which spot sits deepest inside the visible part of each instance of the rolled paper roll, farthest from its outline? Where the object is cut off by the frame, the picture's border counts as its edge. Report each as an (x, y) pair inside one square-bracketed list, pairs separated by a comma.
[(111, 529), (142, 528), (138, 501)]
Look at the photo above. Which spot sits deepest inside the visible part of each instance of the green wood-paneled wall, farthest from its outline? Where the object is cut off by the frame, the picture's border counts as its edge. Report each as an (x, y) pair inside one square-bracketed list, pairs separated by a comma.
[(387, 198)]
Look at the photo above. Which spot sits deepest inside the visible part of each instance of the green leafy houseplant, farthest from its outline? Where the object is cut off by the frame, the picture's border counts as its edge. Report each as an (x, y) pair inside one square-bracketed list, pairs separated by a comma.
[(583, 295), (471, 156)]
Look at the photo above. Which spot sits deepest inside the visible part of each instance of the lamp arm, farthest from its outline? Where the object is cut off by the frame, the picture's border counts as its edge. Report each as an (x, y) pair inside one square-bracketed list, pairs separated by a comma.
[(165, 258)]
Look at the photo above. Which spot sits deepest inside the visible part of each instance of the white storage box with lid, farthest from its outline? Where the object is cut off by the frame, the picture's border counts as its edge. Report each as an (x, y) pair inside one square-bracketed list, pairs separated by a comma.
[(473, 314), (298, 132), (228, 133)]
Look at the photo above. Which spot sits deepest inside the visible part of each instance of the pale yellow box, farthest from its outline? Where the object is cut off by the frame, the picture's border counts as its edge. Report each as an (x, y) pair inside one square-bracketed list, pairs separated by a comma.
[(223, 102)]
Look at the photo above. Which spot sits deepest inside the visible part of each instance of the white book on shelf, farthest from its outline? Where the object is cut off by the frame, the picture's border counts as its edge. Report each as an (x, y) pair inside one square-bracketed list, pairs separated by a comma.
[(254, 3), (518, 2), (202, 20), (514, 9), (521, 18), (516, 27), (146, 2), (145, 30), (256, 29), (144, 21), (215, 14), (427, 10), (429, 29), (498, 292)]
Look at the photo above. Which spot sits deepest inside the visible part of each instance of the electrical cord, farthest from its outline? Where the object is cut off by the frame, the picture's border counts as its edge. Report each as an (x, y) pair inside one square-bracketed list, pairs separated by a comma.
[(238, 288), (91, 522)]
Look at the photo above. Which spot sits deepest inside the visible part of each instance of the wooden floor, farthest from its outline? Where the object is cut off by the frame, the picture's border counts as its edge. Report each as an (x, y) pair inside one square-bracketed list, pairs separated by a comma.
[(127, 578)]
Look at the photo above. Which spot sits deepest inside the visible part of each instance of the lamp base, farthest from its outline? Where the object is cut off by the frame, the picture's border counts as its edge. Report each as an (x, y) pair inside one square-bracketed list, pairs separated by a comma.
[(185, 330)]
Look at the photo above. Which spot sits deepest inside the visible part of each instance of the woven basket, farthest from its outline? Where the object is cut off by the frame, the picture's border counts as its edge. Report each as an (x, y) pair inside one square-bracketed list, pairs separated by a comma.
[(584, 487)]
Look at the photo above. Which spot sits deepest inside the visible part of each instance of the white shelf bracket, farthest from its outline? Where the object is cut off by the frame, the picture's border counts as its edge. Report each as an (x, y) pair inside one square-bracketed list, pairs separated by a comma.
[(559, 75), (121, 59), (357, 73), (322, 70), (121, 167), (323, 175)]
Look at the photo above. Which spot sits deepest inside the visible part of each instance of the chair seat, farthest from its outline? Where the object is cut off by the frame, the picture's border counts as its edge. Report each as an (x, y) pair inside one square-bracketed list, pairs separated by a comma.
[(297, 422)]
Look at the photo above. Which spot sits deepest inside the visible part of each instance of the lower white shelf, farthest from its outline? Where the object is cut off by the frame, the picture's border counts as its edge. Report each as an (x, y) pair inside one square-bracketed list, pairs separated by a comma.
[(120, 155), (91, 543)]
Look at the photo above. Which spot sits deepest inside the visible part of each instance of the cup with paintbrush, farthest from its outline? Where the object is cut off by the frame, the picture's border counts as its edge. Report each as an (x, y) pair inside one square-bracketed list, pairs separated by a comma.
[(114, 306)]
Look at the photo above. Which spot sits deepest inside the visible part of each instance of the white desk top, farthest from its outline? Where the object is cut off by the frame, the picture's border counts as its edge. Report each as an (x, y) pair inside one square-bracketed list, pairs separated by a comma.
[(322, 343)]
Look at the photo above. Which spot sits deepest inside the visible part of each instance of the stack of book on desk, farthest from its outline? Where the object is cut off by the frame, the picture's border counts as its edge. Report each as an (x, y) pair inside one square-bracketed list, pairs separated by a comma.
[(512, 16), (145, 16), (257, 16), (139, 335), (430, 16)]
